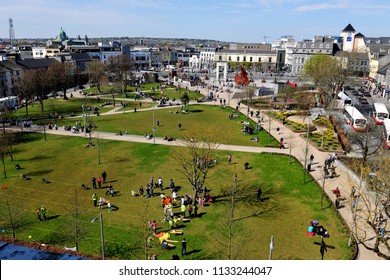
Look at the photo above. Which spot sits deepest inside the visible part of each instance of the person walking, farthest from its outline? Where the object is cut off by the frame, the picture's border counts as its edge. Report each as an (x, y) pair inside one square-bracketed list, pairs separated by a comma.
[(259, 193), (229, 159), (179, 126), (183, 247), (38, 213), (183, 210), (43, 213), (104, 176), (154, 226), (160, 183), (94, 199), (282, 144), (99, 180), (93, 182), (189, 209), (141, 191)]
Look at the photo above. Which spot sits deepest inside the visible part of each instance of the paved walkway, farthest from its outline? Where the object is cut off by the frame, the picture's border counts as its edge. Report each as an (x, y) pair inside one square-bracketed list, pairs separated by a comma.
[(295, 145)]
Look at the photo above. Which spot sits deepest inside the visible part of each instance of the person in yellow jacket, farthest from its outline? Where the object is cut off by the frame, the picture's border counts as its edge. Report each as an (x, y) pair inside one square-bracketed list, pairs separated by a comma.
[(94, 199), (183, 210)]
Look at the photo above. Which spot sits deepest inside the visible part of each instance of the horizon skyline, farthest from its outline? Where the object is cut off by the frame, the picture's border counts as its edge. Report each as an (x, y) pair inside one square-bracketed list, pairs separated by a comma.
[(241, 21)]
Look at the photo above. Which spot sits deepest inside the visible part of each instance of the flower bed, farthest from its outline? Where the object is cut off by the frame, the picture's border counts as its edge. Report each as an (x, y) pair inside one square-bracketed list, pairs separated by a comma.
[(326, 141)]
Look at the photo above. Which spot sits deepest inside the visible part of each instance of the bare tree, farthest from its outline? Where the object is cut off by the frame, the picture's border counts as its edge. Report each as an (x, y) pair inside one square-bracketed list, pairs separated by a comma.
[(368, 142), (121, 66), (96, 71), (39, 83), (195, 160), (7, 140), (11, 214), (370, 204), (241, 203), (62, 76)]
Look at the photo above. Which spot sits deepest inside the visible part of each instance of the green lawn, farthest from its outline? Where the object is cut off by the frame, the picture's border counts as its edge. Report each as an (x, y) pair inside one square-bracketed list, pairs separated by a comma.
[(288, 208), (66, 107), (141, 122)]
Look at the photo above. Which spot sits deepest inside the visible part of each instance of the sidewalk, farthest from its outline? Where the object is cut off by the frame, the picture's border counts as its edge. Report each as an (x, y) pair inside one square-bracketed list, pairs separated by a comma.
[(344, 181)]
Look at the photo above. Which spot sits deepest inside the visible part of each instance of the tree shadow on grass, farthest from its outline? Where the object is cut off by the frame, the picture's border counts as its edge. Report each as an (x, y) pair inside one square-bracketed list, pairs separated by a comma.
[(39, 172), (40, 157)]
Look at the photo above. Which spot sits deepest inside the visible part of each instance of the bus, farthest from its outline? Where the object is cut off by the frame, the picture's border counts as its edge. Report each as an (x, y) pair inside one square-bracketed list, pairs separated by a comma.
[(355, 119), (9, 103), (343, 100), (386, 125), (380, 113)]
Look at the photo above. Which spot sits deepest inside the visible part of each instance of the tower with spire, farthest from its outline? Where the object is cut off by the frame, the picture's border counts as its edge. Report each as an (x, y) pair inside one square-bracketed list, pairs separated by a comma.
[(348, 35)]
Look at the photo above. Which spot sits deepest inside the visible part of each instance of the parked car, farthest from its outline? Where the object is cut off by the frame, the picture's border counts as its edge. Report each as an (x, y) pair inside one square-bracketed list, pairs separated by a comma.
[(367, 94), (363, 101)]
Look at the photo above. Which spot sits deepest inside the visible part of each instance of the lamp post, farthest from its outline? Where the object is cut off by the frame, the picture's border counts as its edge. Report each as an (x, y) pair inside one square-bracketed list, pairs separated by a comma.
[(323, 183), (154, 127), (101, 230), (84, 118), (271, 247)]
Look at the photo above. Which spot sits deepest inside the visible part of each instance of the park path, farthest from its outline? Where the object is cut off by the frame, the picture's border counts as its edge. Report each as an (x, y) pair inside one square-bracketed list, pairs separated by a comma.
[(296, 146)]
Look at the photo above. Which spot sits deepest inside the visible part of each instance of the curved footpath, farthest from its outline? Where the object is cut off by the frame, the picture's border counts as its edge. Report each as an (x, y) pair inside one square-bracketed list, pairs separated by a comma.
[(344, 181)]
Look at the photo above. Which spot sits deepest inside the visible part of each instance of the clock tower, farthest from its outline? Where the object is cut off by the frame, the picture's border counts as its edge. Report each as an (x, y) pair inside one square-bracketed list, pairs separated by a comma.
[(348, 35)]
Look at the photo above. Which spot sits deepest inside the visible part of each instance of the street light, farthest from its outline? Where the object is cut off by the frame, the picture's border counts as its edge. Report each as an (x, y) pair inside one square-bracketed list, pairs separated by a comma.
[(271, 247), (94, 220), (326, 172), (154, 128)]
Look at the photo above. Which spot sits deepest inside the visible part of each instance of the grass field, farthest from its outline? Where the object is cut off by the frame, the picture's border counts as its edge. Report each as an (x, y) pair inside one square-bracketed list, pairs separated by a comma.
[(228, 131), (288, 208)]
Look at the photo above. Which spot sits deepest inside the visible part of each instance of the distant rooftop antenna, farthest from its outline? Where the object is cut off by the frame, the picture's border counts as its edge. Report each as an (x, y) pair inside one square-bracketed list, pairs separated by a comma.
[(265, 39), (11, 31)]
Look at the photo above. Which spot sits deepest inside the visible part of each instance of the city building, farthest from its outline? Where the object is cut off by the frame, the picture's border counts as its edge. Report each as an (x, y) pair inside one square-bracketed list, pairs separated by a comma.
[(10, 73)]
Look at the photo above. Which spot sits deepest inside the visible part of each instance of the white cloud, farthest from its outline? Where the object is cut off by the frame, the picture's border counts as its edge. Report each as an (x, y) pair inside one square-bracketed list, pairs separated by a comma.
[(349, 5)]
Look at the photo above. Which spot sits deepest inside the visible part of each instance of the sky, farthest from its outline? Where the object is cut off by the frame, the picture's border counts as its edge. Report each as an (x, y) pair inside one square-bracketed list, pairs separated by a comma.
[(244, 21)]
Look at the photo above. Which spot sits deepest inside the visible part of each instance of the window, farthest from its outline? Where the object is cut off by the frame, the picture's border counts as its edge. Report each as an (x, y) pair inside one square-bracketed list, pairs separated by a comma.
[(220, 58), (304, 45), (250, 59), (327, 46), (312, 45), (321, 45), (238, 58), (244, 59), (302, 60), (259, 59), (270, 59), (230, 58)]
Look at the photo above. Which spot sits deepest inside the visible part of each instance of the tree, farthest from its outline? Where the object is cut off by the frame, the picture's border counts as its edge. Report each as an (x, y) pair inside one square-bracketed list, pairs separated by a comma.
[(185, 99), (368, 142), (241, 204), (6, 142), (196, 158), (39, 83), (62, 76), (96, 71), (11, 214), (121, 66), (328, 73), (369, 200)]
